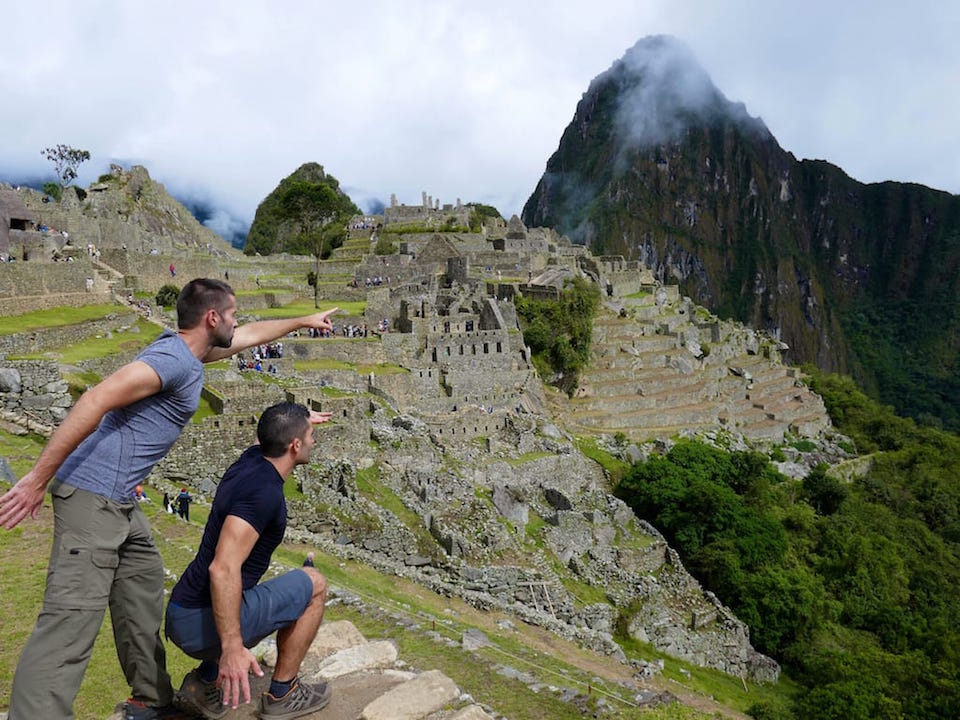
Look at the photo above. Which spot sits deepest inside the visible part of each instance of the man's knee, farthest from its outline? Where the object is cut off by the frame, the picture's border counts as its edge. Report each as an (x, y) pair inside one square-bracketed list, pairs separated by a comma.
[(319, 584)]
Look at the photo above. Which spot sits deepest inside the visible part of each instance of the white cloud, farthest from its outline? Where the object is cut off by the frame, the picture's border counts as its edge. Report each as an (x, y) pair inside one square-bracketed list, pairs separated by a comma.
[(459, 99)]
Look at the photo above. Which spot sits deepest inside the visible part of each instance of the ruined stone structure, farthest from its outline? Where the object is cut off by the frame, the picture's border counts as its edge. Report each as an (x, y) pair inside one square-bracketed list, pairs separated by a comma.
[(441, 410), (428, 212), (14, 219)]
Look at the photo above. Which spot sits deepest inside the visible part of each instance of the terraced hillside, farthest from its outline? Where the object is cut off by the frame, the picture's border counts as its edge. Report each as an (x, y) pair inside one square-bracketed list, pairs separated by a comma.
[(660, 365)]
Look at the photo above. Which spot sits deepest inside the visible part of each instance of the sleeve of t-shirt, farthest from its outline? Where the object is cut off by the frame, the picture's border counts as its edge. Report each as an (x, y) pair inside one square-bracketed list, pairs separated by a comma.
[(165, 361)]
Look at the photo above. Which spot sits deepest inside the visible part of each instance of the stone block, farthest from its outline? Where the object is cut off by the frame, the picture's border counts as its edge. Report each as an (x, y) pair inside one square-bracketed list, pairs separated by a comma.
[(425, 694), (332, 637), (471, 712), (369, 656)]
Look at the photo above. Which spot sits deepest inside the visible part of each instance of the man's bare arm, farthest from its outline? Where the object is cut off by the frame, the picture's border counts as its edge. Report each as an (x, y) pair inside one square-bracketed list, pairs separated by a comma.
[(264, 331), (131, 383), (237, 538)]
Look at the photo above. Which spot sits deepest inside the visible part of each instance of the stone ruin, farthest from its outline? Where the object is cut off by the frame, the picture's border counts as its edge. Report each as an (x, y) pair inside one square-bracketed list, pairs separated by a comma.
[(463, 435)]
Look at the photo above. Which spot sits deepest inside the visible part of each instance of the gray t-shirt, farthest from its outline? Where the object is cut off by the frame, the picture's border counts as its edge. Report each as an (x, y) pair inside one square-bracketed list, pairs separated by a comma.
[(129, 441)]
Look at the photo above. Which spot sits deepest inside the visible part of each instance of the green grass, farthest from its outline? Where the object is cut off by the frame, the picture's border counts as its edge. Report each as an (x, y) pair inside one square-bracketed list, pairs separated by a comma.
[(369, 485), (615, 467), (326, 364), (55, 317), (20, 451), (322, 364), (726, 689), (204, 410), (102, 346)]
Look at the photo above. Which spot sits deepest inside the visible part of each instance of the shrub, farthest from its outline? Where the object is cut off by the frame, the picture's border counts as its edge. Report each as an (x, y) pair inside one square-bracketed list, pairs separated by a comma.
[(384, 247), (167, 295), (53, 190)]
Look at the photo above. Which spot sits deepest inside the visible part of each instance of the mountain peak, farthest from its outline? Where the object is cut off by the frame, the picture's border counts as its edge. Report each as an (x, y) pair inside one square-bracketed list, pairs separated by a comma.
[(661, 90)]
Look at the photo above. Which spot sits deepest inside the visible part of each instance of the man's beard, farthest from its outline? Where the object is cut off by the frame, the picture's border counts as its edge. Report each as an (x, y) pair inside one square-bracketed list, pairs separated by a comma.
[(223, 341)]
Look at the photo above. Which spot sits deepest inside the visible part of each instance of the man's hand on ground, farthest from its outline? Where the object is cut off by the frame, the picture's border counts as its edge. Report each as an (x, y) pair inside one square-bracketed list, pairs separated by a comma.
[(233, 680)]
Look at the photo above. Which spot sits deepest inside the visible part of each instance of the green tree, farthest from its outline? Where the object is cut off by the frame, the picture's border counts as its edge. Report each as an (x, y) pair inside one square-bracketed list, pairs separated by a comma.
[(53, 190), (65, 161), (478, 212), (558, 332), (320, 213), (306, 214), (167, 295), (823, 492)]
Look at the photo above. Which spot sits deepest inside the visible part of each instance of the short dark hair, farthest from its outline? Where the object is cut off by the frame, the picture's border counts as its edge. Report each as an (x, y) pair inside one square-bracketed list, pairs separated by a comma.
[(279, 425), (197, 297)]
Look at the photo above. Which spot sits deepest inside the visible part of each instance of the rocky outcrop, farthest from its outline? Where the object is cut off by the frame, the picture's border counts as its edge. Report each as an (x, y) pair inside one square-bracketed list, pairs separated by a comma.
[(514, 535), (124, 209)]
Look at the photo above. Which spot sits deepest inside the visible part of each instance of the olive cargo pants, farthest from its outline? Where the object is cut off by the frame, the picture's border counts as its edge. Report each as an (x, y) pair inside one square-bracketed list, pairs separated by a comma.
[(103, 553)]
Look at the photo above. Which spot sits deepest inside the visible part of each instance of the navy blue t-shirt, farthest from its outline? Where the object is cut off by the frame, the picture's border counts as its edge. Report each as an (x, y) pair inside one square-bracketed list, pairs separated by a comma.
[(251, 489)]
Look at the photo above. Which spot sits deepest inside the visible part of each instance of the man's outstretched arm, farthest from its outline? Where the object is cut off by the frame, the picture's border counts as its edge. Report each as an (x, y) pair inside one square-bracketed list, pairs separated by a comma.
[(264, 331), (133, 382)]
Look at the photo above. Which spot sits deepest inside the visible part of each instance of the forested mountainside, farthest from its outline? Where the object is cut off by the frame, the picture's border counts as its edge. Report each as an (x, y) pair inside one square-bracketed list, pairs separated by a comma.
[(859, 278), (305, 215)]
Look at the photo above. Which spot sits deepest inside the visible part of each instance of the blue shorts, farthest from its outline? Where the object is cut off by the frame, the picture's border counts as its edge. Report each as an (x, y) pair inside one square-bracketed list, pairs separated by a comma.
[(265, 608)]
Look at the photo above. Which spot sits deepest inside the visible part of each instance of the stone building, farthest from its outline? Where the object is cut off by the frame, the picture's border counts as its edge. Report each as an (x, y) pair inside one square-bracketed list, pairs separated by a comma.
[(14, 217), (428, 212)]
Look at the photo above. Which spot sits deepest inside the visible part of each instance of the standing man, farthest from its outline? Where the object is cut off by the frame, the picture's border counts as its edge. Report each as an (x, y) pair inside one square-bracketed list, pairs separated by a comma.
[(183, 504), (217, 611), (103, 552)]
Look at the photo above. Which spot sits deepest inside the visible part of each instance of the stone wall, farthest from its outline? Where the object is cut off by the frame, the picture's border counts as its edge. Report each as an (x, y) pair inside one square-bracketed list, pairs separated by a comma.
[(33, 303), (33, 245), (146, 272), (34, 390), (19, 279), (204, 451)]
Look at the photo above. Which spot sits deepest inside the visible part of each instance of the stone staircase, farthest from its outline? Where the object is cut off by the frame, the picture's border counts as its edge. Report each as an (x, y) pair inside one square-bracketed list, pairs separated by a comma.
[(660, 366), (108, 278), (368, 679)]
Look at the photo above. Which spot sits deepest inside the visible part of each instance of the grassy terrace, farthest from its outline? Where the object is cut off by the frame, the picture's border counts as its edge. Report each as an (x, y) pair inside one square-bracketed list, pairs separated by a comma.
[(352, 308), (56, 317), (101, 346), (322, 364)]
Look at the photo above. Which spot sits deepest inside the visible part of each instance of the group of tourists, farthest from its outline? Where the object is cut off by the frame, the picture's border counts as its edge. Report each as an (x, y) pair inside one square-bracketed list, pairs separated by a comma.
[(104, 554)]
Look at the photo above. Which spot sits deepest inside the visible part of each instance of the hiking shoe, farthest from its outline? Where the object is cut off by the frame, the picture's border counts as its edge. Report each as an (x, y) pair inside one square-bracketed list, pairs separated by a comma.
[(302, 699), (135, 710), (200, 697)]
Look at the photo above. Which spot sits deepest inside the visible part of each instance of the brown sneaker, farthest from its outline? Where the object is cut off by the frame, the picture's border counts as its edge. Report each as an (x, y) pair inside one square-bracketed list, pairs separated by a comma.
[(200, 698), (302, 699)]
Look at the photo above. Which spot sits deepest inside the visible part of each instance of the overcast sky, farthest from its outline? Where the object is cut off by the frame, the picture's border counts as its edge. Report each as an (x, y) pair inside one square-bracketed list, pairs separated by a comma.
[(221, 100)]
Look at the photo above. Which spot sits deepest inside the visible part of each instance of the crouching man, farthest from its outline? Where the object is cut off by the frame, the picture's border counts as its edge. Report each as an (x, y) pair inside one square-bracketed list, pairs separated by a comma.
[(217, 610)]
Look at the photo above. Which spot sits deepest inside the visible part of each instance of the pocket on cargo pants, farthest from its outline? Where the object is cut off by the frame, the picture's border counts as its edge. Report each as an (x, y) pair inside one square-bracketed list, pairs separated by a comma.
[(83, 559)]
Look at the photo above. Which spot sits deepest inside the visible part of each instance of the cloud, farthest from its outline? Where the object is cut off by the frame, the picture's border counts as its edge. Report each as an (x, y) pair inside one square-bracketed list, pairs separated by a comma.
[(456, 98), (664, 87)]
